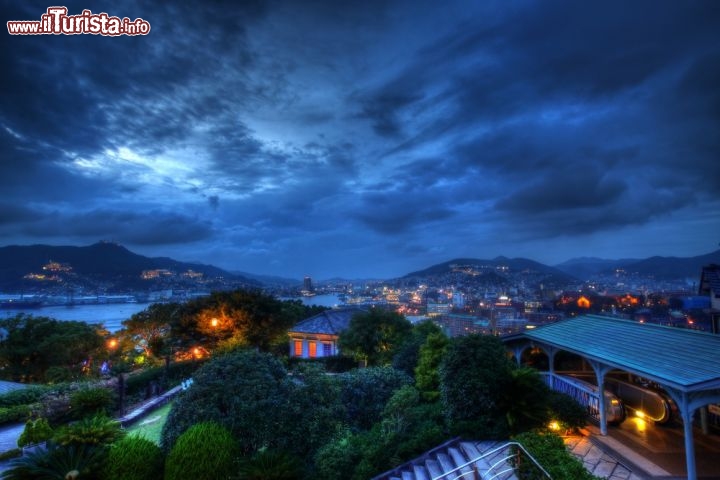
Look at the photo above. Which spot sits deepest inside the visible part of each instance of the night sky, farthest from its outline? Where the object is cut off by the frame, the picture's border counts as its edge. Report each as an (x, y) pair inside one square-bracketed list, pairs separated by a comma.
[(368, 138)]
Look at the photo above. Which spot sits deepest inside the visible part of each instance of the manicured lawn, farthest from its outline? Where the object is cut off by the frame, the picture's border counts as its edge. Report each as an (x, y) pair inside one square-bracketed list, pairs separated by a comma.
[(151, 426)]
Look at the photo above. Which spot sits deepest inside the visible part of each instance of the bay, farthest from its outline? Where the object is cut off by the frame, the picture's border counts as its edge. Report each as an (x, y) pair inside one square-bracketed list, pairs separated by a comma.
[(324, 300), (111, 315)]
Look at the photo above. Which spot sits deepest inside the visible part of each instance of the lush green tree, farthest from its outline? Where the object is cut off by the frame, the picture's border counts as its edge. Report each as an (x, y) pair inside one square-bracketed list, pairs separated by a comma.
[(427, 375), (150, 328), (226, 320), (374, 336), (364, 393), (32, 345), (341, 456), (526, 401), (474, 373), (407, 427), (316, 402), (252, 394), (246, 391), (408, 353)]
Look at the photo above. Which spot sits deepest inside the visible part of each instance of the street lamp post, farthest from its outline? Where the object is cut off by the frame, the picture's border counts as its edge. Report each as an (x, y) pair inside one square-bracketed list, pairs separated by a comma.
[(112, 346)]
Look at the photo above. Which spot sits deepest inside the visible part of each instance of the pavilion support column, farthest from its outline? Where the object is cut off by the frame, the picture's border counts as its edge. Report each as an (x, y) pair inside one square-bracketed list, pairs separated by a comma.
[(517, 351), (551, 351), (600, 371), (687, 416), (687, 408)]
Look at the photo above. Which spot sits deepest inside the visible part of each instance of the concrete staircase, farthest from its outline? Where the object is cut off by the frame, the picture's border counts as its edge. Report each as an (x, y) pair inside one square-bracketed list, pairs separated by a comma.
[(458, 459)]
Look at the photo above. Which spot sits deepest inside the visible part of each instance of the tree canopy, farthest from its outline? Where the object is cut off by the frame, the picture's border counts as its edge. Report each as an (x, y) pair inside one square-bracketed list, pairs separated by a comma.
[(474, 373), (374, 336), (30, 346)]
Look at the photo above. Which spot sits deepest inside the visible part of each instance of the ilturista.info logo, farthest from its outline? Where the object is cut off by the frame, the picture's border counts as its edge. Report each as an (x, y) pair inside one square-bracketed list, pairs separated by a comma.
[(56, 21)]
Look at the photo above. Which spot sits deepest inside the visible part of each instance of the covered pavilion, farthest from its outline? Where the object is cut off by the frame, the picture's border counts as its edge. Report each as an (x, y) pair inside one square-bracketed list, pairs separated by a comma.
[(686, 363)]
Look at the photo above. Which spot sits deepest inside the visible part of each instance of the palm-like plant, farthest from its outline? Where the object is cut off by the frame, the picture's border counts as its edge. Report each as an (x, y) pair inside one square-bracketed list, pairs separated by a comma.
[(74, 462), (99, 430)]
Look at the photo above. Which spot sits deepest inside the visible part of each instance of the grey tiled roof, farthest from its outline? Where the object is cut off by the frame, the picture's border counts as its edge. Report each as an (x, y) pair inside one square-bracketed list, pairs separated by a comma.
[(329, 322)]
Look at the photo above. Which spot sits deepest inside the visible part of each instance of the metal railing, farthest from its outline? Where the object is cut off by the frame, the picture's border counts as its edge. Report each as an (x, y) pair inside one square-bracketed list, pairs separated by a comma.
[(487, 472)]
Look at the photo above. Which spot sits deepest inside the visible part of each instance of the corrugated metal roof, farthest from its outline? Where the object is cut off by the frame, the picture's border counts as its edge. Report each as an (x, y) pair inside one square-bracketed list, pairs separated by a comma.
[(685, 359), (329, 322)]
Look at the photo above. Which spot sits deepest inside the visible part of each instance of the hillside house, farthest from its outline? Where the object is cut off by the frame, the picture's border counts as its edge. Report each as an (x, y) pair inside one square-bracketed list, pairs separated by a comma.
[(317, 336)]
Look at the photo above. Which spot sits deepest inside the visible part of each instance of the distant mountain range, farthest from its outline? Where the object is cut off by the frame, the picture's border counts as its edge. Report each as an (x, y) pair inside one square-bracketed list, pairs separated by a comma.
[(667, 268), (494, 271), (109, 265), (103, 263)]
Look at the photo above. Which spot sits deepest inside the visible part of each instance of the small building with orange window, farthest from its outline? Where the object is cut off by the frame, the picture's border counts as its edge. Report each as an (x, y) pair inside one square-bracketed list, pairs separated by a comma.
[(317, 336)]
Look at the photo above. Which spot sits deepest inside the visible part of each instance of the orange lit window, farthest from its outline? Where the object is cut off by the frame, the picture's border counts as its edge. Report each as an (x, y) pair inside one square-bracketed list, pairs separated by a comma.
[(298, 348), (313, 349)]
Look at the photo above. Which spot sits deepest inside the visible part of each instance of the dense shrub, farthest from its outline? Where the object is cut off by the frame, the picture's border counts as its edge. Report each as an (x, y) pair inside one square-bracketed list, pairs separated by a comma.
[(137, 382), (364, 393), (246, 391), (550, 452), (336, 364), (22, 396), (88, 402), (206, 451), (408, 428), (134, 458), (474, 374), (270, 465), (36, 431), (342, 454), (567, 410), (57, 374), (14, 414), (98, 430)]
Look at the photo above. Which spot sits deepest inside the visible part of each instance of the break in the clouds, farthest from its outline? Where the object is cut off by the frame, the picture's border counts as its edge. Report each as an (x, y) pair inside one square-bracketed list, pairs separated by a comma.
[(367, 138)]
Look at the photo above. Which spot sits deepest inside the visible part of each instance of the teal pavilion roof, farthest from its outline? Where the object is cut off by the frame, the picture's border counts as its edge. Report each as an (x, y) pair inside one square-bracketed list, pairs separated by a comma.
[(684, 359)]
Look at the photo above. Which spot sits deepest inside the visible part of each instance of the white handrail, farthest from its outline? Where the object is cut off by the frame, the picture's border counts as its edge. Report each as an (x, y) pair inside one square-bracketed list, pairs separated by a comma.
[(490, 452)]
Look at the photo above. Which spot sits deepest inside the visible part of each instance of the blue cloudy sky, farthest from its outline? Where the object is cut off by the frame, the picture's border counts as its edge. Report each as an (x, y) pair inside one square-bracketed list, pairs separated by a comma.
[(367, 138)]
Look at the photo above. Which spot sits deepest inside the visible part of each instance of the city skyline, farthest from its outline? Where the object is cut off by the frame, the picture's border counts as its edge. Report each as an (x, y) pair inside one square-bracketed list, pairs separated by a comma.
[(367, 139)]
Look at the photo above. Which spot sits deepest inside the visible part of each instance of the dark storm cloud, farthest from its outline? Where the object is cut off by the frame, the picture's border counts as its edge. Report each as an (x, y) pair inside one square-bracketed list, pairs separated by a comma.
[(11, 214), (148, 228), (548, 88), (382, 110), (393, 214), (412, 124), (565, 191)]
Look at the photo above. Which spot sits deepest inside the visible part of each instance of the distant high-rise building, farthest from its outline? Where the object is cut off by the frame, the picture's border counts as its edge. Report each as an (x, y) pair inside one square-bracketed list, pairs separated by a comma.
[(458, 300), (710, 286), (307, 284)]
